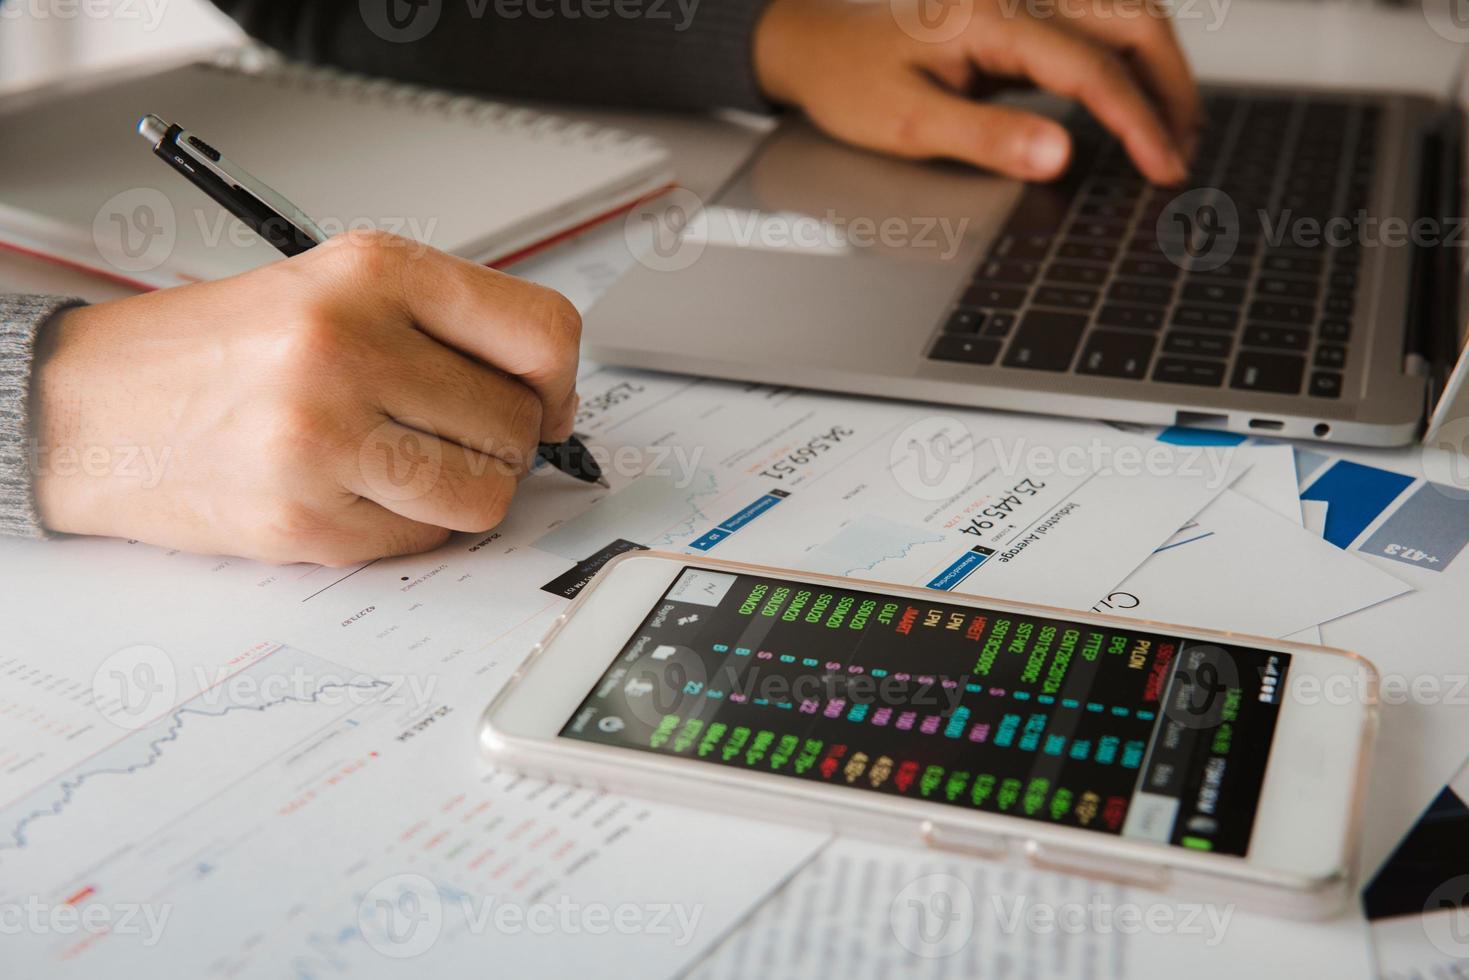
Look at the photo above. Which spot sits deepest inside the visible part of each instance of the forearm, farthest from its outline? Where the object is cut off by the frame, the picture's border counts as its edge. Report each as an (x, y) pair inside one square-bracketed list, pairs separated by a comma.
[(21, 320), (677, 54)]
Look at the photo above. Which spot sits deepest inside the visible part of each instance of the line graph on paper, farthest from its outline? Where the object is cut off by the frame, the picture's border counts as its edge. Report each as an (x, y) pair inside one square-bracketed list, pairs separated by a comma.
[(188, 754)]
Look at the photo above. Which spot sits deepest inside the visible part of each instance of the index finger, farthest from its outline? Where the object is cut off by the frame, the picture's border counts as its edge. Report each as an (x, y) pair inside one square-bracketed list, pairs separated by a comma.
[(1144, 31), (1081, 68), (527, 331)]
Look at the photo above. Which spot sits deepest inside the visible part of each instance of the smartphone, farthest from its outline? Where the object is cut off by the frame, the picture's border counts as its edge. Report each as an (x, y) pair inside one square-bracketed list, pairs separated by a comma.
[(1203, 764)]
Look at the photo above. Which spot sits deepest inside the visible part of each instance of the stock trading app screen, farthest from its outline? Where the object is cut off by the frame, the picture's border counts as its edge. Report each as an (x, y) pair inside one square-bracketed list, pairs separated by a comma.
[(1118, 730)]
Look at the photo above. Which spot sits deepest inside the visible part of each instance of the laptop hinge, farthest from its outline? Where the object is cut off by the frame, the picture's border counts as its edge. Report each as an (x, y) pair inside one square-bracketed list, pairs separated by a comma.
[(1431, 343)]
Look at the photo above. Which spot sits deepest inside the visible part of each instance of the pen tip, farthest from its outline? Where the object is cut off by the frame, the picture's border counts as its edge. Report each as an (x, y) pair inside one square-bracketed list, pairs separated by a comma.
[(602, 482)]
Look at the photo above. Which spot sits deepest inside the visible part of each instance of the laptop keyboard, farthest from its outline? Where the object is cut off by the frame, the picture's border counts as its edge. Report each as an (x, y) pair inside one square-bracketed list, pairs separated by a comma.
[(1085, 277)]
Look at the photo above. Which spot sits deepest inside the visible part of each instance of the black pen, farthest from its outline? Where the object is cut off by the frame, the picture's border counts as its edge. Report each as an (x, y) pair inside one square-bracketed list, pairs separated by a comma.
[(288, 229)]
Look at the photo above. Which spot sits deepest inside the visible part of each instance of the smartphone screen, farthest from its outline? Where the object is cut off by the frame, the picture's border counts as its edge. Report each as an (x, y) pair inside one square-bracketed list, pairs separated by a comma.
[(1118, 730)]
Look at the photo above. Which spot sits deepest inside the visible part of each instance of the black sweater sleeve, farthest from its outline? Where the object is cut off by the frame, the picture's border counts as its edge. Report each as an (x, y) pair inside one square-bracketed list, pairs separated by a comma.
[(677, 54)]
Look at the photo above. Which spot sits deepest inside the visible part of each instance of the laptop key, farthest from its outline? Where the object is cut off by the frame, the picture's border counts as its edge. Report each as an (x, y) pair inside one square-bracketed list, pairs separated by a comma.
[(1281, 338), (1140, 268), (1331, 356), (1339, 304), (1040, 208), (1085, 275), (1137, 317), (1278, 312), (1338, 330), (1234, 271), (1046, 340), (1106, 210), (1325, 384), (999, 325), (970, 350), (1204, 318), (990, 294), (1294, 265), (1270, 288), (964, 322), (1001, 270), (1147, 293), (1022, 247), (1197, 344), (1182, 371), (1195, 291), (1116, 354), (1269, 372), (1075, 299), (1086, 251), (1102, 231)]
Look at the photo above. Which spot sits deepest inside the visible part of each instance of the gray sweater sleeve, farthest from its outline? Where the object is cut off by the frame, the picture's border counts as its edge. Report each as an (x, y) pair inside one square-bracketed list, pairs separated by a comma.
[(668, 54), (21, 318)]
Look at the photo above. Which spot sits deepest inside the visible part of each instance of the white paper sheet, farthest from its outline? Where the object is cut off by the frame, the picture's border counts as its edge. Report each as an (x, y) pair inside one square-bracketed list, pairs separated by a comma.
[(248, 746), (1242, 567), (866, 911), (1420, 924)]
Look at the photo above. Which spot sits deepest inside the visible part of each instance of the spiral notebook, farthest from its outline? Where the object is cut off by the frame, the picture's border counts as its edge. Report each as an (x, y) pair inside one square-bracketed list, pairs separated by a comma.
[(482, 180)]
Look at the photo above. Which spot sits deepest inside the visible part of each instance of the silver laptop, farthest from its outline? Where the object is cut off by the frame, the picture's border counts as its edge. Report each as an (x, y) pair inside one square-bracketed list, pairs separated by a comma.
[(1267, 296)]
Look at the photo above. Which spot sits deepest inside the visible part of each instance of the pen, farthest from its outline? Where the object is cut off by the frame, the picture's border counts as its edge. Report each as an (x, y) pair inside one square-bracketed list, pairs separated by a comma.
[(290, 231)]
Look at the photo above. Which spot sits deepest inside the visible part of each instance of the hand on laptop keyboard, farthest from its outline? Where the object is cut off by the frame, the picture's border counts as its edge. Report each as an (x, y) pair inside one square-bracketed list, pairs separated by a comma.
[(898, 76)]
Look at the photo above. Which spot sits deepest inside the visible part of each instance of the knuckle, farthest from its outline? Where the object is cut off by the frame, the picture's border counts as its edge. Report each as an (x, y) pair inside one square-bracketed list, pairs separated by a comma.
[(402, 536), (907, 127), (294, 531), (484, 504), (1103, 67), (523, 418), (557, 321), (293, 433), (368, 256), (320, 338)]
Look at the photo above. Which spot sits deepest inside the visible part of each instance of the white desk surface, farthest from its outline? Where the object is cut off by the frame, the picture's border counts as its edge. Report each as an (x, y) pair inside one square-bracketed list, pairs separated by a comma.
[(1263, 40)]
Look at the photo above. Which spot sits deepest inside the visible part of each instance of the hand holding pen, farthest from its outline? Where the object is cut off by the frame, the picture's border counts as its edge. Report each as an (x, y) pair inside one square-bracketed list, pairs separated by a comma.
[(363, 399), (291, 232)]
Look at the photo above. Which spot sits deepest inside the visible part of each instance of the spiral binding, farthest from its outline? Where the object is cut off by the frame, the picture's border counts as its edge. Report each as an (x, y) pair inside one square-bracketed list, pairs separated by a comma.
[(472, 110)]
